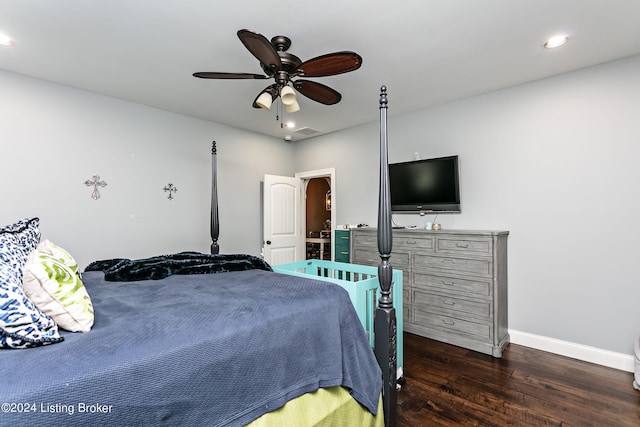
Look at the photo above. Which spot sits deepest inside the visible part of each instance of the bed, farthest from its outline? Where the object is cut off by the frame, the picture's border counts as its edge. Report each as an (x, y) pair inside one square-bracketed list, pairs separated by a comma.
[(190, 339)]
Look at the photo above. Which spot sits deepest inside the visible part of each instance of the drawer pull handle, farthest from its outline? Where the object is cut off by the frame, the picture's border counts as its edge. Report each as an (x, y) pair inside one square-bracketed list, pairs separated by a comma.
[(462, 245), (410, 242), (448, 283), (344, 238), (448, 261), (447, 302), (344, 253), (448, 322)]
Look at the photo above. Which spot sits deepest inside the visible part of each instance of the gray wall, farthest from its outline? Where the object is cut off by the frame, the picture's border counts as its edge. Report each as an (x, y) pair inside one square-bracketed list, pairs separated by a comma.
[(53, 138), (555, 162)]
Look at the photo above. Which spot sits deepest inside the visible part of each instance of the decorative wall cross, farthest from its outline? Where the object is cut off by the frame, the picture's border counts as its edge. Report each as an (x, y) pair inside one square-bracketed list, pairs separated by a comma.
[(95, 183), (171, 189)]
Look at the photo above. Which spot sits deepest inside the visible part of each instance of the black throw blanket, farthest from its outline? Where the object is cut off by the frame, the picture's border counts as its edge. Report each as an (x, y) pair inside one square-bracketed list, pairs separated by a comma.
[(159, 267)]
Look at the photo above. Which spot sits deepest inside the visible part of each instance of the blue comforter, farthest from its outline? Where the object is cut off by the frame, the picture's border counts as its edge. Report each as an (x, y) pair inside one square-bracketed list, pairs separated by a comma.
[(199, 350)]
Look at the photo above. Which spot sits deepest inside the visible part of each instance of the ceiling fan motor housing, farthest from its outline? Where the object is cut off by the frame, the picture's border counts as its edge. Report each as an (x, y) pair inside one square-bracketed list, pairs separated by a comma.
[(290, 62)]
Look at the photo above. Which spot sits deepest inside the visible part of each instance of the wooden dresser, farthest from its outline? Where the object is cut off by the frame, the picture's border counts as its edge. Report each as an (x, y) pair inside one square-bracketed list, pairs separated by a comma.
[(455, 283)]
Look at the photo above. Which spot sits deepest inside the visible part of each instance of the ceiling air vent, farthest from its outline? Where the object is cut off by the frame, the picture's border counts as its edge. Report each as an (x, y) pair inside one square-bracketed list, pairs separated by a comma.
[(307, 131)]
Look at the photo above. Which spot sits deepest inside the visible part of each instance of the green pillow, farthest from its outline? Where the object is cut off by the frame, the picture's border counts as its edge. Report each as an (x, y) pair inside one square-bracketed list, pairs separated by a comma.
[(52, 282)]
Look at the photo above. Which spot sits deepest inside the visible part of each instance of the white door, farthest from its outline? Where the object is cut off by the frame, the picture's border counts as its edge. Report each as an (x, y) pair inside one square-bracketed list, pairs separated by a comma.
[(283, 241)]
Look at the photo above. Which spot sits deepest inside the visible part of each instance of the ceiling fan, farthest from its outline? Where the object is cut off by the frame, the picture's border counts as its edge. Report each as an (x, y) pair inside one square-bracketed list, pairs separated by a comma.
[(283, 66)]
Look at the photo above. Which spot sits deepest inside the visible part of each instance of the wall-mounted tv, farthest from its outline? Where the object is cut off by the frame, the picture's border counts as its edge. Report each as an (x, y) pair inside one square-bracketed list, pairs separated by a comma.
[(429, 185)]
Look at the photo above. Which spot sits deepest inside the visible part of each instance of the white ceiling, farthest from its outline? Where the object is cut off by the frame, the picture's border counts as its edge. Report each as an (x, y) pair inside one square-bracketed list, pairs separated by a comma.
[(427, 52)]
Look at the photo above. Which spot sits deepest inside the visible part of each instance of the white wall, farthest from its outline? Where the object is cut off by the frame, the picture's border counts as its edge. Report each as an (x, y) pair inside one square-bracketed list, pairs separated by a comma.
[(53, 138), (555, 162)]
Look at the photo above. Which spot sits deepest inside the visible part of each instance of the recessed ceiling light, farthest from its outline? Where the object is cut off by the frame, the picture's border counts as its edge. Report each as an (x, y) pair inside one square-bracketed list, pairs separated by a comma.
[(5, 40), (556, 41)]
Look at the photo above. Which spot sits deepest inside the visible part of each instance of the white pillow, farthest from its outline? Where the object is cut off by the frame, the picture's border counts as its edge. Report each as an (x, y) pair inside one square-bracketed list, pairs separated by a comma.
[(52, 282)]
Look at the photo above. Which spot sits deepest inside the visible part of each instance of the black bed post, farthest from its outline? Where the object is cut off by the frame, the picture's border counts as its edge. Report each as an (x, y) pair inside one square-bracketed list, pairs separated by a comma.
[(385, 318), (215, 230)]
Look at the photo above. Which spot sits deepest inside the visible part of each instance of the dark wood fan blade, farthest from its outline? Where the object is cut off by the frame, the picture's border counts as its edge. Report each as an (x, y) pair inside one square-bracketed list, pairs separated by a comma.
[(261, 48), (318, 92), (214, 75), (331, 64)]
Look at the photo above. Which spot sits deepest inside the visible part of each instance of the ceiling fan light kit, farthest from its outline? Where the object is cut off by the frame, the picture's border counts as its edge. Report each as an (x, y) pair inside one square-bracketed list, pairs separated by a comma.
[(287, 95), (292, 108), (264, 100), (283, 67)]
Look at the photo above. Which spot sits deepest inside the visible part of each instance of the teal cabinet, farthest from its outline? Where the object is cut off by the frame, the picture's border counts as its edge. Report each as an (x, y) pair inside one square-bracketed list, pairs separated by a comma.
[(342, 245)]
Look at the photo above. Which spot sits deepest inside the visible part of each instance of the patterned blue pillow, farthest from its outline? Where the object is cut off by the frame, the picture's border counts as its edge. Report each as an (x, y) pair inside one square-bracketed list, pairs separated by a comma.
[(22, 325)]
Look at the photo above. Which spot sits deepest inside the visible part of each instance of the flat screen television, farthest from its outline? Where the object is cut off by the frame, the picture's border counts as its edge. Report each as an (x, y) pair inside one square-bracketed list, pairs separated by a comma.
[(429, 185)]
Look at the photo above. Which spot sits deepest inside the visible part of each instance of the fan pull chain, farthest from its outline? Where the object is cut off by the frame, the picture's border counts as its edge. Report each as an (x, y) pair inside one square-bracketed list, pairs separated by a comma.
[(278, 113)]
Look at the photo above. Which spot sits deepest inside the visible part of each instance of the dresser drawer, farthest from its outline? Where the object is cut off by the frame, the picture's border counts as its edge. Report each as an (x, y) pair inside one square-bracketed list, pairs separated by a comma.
[(342, 243), (464, 245), (365, 239), (481, 330), (342, 253), (406, 314), (450, 304), (477, 267), (364, 256), (342, 238), (342, 247), (453, 284), (371, 257), (422, 243), (342, 256)]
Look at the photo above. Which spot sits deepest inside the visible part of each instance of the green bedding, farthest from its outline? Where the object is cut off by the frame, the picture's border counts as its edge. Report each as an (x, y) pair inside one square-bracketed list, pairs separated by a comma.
[(325, 407)]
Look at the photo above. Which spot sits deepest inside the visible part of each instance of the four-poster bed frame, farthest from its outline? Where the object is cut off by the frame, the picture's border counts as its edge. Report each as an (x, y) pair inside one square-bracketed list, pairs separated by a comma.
[(200, 339), (385, 316)]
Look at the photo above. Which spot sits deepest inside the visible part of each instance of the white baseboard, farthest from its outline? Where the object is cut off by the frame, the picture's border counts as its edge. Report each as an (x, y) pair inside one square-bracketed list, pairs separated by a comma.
[(623, 362)]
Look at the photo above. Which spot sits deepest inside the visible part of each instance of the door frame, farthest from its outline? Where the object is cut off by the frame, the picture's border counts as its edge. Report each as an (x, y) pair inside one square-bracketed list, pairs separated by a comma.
[(306, 176)]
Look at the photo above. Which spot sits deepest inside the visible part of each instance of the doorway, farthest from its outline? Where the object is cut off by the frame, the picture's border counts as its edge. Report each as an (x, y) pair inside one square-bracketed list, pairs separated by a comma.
[(318, 218), (318, 211)]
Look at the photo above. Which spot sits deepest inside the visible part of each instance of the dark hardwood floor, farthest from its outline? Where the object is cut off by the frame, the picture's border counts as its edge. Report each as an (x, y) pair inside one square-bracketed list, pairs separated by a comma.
[(452, 386)]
